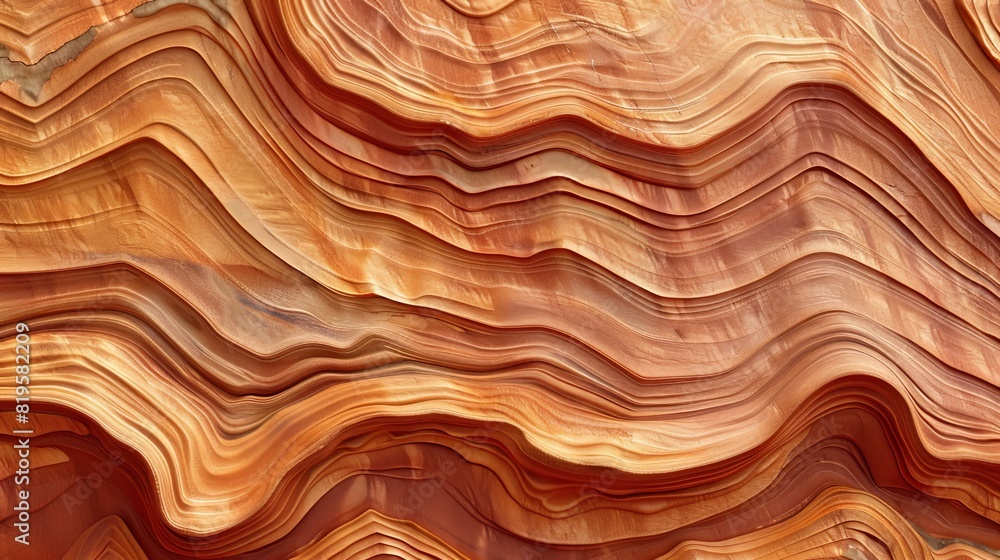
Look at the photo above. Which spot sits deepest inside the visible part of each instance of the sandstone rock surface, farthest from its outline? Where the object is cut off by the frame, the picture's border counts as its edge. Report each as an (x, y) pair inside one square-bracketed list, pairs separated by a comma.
[(462, 279)]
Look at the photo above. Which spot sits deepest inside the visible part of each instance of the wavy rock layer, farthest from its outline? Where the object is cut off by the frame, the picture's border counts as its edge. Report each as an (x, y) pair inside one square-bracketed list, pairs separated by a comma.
[(503, 279)]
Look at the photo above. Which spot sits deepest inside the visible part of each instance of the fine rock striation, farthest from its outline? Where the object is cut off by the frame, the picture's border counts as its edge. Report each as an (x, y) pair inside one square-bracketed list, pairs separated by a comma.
[(503, 279)]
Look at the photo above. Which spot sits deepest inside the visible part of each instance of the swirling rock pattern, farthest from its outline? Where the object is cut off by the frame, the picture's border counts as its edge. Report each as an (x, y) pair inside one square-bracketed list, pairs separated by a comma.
[(462, 279)]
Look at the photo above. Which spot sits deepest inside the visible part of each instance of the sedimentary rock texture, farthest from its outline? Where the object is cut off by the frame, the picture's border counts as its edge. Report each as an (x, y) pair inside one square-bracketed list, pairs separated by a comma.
[(463, 279)]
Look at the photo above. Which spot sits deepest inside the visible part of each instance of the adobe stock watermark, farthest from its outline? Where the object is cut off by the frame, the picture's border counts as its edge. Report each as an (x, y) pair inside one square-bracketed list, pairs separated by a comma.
[(707, 13), (201, 546), (607, 139), (829, 426), (595, 485), (85, 487), (744, 520), (926, 504), (421, 151), (420, 494), (752, 515), (205, 545)]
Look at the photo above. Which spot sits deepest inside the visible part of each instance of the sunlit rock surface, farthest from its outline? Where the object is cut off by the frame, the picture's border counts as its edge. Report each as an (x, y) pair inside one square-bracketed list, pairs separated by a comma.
[(503, 279)]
